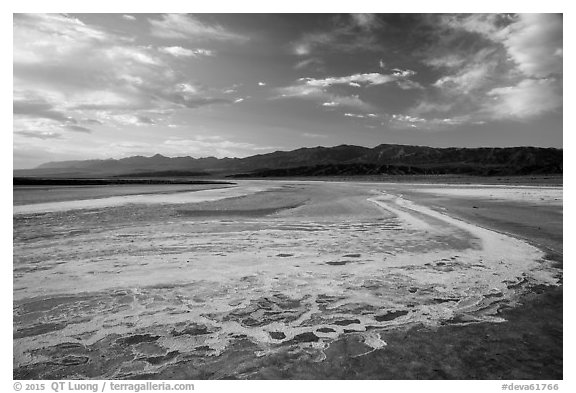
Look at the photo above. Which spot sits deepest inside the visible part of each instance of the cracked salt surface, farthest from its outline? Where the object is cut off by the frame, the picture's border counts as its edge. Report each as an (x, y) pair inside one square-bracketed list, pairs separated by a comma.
[(359, 265)]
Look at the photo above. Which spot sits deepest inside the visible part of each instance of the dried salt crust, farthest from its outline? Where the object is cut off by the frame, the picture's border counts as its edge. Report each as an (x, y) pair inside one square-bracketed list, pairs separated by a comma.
[(406, 266)]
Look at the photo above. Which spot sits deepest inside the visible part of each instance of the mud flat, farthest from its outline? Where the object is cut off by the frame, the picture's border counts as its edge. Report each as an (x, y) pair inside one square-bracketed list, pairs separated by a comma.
[(282, 279)]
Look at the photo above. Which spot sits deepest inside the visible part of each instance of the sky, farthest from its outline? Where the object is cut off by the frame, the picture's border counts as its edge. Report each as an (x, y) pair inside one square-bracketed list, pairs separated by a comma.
[(97, 86)]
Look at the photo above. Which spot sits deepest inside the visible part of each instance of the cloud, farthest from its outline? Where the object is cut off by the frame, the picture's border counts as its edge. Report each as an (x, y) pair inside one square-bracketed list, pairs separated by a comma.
[(400, 121), (178, 51), (127, 119), (310, 135), (39, 134), (261, 84), (65, 69), (210, 145), (354, 115), (320, 93), (76, 128), (312, 62), (527, 99), (357, 80), (129, 17), (425, 106), (468, 79), (183, 26), (321, 89), (190, 96), (308, 41), (91, 121), (494, 66), (40, 109), (366, 21), (348, 34), (446, 61), (238, 100), (534, 41)]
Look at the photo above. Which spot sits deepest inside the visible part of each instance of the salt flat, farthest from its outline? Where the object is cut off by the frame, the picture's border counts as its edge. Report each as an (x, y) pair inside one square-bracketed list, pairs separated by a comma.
[(204, 284)]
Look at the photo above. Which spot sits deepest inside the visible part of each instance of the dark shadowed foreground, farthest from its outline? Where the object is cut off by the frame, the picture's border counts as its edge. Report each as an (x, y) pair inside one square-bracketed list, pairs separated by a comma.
[(289, 280)]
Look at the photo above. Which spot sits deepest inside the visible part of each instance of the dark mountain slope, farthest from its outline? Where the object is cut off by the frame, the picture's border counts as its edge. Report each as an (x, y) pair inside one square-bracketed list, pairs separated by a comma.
[(343, 159)]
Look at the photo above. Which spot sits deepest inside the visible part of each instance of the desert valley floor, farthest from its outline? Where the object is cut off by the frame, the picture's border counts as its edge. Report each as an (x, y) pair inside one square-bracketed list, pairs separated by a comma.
[(291, 279)]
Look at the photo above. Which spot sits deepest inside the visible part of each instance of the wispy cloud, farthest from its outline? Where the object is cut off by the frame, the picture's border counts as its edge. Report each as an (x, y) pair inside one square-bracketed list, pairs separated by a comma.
[(369, 79), (321, 94), (314, 136), (40, 134), (210, 145), (179, 51), (349, 34), (400, 121), (366, 21), (313, 62), (320, 88), (40, 109), (183, 26), (66, 70), (75, 128)]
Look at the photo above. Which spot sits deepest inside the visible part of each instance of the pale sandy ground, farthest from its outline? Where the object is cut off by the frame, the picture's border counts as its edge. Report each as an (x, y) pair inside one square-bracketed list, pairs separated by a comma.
[(160, 281), (142, 199), (527, 194)]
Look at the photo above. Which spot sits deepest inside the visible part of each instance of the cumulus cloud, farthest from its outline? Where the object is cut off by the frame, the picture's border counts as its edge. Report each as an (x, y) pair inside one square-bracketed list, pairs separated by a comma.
[(496, 66), (533, 41), (183, 26), (529, 98)]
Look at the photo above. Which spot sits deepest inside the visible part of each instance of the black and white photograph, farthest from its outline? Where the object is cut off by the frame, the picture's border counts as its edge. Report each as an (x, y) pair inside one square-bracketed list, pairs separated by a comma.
[(205, 196)]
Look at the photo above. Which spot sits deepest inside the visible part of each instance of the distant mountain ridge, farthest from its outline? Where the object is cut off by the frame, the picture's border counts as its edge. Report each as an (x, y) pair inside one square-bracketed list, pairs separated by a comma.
[(343, 159)]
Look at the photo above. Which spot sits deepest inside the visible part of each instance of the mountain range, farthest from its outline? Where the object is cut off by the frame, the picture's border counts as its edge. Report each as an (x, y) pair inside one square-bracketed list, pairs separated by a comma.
[(325, 161)]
